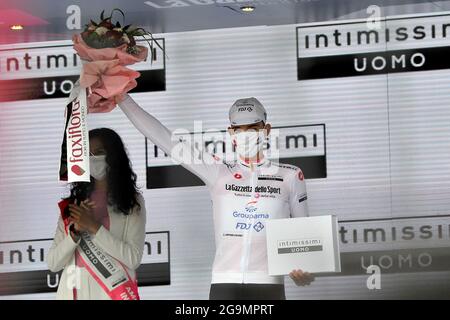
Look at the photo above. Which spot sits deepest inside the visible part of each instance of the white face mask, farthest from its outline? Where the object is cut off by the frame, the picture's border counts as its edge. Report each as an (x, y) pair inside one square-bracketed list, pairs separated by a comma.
[(249, 143), (98, 166)]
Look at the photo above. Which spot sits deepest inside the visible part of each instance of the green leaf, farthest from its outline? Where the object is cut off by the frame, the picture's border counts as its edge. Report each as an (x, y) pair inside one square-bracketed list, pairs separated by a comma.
[(142, 32), (139, 32), (116, 9), (153, 39), (135, 32)]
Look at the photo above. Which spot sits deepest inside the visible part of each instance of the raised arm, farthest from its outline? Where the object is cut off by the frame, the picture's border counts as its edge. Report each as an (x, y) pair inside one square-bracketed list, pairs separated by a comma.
[(182, 151), (148, 125)]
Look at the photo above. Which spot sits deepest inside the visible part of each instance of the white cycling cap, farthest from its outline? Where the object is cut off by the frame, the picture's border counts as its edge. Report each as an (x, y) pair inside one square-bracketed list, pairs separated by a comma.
[(247, 111)]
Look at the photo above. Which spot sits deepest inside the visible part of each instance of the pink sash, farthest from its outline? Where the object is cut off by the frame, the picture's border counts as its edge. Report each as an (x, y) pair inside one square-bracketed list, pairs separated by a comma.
[(110, 274)]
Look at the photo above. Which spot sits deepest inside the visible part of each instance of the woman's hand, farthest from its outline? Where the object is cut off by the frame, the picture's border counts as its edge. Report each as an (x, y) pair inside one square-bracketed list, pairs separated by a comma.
[(75, 236), (75, 232), (301, 278), (83, 217)]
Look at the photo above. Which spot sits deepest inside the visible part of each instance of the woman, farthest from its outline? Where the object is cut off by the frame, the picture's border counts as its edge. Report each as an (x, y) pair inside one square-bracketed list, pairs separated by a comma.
[(100, 236)]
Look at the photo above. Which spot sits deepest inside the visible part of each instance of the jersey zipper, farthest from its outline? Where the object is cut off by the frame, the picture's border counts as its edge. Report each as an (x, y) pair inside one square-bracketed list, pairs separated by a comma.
[(248, 233)]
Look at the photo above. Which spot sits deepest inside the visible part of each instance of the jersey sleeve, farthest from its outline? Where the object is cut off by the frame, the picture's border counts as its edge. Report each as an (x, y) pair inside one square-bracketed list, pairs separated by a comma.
[(199, 162), (298, 199)]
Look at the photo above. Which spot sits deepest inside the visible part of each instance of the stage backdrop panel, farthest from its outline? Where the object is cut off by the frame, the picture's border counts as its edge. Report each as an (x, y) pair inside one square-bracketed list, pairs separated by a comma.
[(371, 104)]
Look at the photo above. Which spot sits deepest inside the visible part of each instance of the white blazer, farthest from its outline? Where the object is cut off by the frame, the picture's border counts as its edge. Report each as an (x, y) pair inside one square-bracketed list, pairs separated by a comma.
[(124, 241)]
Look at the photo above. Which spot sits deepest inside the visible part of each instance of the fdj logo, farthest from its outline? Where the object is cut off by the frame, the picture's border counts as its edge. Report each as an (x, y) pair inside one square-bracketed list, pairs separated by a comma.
[(246, 226), (258, 227), (243, 226), (241, 109)]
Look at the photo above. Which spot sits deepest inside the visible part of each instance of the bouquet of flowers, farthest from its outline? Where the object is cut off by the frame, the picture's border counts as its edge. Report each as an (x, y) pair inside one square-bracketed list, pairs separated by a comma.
[(106, 48)]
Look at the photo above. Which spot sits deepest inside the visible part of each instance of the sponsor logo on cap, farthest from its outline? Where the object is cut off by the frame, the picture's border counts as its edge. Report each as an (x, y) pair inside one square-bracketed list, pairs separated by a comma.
[(243, 108)]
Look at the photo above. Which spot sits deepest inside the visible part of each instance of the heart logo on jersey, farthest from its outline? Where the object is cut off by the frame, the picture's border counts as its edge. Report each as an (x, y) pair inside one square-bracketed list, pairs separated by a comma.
[(77, 170)]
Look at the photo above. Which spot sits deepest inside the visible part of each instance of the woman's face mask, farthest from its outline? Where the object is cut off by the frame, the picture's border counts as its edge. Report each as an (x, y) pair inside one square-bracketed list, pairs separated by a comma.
[(249, 143), (98, 166)]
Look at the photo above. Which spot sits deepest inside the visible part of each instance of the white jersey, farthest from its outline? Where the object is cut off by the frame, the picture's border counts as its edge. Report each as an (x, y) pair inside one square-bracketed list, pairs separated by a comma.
[(243, 199)]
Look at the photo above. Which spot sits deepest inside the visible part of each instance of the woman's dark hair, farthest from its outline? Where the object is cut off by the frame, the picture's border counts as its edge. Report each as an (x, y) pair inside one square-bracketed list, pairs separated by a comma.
[(122, 189)]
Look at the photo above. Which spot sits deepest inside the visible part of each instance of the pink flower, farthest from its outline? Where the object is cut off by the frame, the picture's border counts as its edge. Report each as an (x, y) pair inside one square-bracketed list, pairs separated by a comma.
[(106, 74), (109, 82)]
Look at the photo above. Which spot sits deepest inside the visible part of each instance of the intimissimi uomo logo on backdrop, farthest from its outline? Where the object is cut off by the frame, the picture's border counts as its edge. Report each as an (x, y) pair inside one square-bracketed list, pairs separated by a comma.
[(349, 49), (50, 71), (23, 268)]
